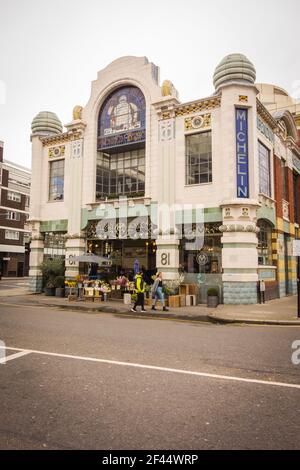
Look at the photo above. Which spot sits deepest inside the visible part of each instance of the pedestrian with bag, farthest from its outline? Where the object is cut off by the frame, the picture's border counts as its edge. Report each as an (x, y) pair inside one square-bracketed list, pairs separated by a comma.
[(157, 292), (140, 291)]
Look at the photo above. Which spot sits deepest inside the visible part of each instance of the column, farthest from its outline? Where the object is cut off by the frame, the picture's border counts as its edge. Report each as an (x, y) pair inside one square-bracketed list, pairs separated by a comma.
[(239, 252), (36, 258)]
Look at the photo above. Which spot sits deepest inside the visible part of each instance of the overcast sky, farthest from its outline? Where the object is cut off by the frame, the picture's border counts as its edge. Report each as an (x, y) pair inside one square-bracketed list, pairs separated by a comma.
[(50, 51)]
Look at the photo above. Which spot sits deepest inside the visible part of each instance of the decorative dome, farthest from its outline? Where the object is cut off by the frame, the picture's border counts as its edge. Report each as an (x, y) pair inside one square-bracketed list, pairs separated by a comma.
[(234, 68), (46, 123)]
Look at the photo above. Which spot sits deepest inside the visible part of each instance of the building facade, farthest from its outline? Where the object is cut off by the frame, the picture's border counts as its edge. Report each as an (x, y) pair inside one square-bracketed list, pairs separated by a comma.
[(216, 164), (14, 213)]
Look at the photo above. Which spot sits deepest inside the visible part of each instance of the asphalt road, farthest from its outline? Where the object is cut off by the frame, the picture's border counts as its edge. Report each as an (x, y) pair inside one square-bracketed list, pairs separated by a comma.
[(98, 381)]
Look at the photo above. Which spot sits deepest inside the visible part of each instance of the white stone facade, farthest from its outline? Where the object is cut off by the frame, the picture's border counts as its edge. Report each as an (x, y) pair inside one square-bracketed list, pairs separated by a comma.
[(168, 122)]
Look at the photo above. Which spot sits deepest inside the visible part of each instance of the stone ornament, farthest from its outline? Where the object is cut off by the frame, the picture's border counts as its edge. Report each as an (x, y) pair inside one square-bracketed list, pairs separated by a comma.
[(77, 146), (57, 152), (197, 122), (250, 228), (77, 112), (167, 130)]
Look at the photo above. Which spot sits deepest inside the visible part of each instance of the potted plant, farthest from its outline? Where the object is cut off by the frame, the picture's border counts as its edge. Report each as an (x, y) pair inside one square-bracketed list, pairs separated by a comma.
[(50, 287), (212, 297), (59, 283), (51, 268)]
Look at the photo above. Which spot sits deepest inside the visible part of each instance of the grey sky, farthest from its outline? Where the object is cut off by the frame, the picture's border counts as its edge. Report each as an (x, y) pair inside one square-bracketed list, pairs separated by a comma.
[(50, 51)]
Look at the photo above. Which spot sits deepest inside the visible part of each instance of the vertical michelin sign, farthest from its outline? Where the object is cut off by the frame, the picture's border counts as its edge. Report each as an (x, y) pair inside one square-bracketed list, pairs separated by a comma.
[(242, 157)]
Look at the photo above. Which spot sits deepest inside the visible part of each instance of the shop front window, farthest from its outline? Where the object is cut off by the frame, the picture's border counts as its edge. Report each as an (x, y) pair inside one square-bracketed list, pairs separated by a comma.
[(264, 243), (208, 259)]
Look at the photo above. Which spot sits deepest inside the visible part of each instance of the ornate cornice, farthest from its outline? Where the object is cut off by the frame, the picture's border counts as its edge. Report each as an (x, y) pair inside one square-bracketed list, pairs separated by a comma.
[(198, 106), (61, 138), (266, 115)]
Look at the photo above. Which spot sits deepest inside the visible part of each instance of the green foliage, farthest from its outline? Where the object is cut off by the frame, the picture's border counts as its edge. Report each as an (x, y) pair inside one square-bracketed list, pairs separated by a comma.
[(59, 281), (212, 292), (51, 268)]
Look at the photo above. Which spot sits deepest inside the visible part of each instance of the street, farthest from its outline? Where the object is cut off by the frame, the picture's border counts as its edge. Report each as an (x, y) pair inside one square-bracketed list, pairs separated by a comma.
[(98, 381)]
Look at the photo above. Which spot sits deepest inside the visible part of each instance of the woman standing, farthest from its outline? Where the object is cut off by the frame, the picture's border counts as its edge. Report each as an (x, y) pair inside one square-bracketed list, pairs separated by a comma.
[(157, 292)]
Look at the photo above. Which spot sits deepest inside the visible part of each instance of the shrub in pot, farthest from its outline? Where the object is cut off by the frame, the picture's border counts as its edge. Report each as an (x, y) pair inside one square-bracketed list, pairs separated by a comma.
[(59, 283), (50, 288), (212, 297), (51, 268)]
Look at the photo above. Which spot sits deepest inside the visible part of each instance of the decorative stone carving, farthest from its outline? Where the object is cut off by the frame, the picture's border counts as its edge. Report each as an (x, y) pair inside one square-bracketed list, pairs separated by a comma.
[(57, 152), (77, 146), (285, 209), (167, 88), (167, 130), (77, 112), (250, 228), (245, 212), (197, 122)]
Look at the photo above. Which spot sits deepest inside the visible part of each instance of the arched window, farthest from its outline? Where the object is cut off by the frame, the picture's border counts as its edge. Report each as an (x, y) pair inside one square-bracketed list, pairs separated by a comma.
[(121, 145), (264, 243)]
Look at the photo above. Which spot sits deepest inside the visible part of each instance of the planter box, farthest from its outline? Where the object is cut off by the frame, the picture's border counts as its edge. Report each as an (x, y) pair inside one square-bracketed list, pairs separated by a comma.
[(174, 301), (212, 301), (50, 291), (60, 292)]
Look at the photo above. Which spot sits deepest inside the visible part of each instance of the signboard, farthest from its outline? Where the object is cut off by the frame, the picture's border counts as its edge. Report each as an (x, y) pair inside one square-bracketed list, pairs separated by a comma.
[(296, 247), (242, 157)]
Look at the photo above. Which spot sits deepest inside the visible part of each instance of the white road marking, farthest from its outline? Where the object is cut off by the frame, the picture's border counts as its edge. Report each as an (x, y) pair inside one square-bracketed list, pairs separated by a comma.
[(151, 367), (3, 360)]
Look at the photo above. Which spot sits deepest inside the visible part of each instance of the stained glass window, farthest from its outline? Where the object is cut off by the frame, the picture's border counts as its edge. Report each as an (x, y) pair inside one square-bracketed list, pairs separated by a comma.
[(122, 119)]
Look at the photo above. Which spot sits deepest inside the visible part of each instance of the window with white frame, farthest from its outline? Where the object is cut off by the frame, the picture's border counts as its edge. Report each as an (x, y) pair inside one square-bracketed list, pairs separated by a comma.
[(198, 158), (264, 170), (13, 196), (12, 235), (11, 215), (56, 180)]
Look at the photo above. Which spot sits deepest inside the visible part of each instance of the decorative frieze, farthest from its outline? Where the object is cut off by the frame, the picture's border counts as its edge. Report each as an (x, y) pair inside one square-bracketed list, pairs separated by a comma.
[(57, 152), (198, 106), (197, 122)]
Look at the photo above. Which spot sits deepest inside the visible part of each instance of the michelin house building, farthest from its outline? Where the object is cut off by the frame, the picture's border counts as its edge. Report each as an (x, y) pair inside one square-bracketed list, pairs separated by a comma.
[(136, 146)]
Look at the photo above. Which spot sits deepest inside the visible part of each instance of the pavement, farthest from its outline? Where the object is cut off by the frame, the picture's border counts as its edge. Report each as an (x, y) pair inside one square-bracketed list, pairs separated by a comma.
[(275, 312)]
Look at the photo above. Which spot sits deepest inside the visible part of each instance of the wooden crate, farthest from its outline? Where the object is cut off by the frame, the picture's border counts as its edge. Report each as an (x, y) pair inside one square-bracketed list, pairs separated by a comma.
[(184, 289), (193, 289), (182, 300), (174, 301)]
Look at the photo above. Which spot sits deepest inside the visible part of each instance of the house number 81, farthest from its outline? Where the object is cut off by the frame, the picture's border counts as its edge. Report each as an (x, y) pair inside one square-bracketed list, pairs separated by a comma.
[(165, 259)]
